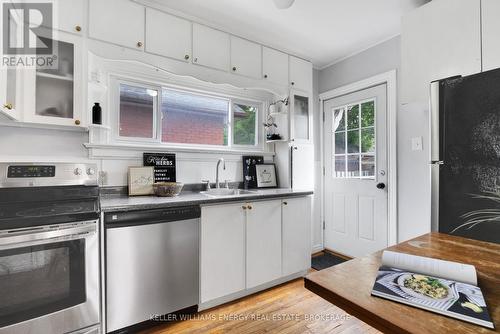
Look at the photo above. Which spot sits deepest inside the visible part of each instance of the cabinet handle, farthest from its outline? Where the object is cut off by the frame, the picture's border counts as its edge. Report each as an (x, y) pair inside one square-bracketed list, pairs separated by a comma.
[(265, 76), (139, 44), (234, 68), (78, 28), (244, 207), (77, 122), (8, 106), (285, 203), (186, 57)]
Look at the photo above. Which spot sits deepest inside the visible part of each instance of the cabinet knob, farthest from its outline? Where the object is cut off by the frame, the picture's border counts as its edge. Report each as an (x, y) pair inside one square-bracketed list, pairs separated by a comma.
[(8, 106), (77, 122), (250, 207), (139, 44), (186, 57), (234, 68), (265, 76), (78, 28), (244, 207), (292, 83), (196, 59), (285, 203)]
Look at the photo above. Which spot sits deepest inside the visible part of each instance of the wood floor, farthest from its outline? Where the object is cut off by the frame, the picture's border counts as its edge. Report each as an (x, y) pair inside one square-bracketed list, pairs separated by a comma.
[(288, 308)]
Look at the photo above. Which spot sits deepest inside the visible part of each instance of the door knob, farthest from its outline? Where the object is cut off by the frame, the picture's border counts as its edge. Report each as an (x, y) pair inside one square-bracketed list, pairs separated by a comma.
[(381, 185)]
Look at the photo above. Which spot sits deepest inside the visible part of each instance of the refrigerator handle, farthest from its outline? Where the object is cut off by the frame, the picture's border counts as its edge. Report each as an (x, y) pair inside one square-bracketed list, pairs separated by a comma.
[(435, 154)]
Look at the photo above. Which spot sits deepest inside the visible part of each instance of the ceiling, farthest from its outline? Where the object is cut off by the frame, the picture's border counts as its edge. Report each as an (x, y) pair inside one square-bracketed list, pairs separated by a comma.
[(323, 31)]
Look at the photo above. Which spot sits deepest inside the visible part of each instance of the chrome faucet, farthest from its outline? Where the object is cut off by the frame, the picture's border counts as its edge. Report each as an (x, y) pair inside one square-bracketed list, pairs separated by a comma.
[(217, 185)]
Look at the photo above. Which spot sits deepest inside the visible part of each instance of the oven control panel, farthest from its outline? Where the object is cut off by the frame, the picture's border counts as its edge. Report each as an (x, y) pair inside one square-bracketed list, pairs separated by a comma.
[(31, 171), (47, 174)]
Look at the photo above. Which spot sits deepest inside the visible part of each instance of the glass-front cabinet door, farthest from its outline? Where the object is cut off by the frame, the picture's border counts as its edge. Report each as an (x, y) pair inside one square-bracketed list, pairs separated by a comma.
[(53, 95), (300, 117), (10, 87)]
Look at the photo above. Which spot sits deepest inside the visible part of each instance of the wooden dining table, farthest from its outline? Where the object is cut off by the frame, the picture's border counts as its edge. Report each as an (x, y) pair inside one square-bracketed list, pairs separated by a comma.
[(349, 285)]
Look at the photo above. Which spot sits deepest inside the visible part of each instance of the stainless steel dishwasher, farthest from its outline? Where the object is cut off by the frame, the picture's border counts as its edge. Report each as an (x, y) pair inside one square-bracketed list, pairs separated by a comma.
[(152, 264)]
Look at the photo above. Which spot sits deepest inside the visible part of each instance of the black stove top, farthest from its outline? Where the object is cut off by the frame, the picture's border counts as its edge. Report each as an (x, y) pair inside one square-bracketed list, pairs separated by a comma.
[(26, 207)]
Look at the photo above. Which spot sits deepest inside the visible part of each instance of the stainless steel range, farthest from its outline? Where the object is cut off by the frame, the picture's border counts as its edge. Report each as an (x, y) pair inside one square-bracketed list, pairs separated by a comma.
[(49, 248)]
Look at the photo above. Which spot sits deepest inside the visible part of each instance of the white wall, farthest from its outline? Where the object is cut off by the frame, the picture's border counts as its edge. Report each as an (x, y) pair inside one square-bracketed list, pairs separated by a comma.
[(413, 170)]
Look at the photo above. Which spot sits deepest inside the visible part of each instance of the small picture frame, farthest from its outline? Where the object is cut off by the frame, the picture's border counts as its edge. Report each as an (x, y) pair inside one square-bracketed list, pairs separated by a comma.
[(140, 181), (266, 176)]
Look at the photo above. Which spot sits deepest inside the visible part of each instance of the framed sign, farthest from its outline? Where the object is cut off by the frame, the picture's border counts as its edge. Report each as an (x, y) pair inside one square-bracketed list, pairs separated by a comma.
[(266, 176), (249, 176), (164, 166), (140, 181)]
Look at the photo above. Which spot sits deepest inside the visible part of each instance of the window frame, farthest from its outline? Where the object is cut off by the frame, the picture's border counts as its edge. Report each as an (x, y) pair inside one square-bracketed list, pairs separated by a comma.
[(116, 91), (258, 133), (359, 154), (259, 145)]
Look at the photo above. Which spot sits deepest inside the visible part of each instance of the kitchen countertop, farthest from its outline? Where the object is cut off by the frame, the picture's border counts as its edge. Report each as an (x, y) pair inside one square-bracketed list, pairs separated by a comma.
[(113, 203)]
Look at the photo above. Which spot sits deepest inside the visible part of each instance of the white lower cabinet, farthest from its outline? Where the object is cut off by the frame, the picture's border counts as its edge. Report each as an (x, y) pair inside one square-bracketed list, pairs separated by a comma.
[(296, 218), (263, 242), (248, 245), (222, 251)]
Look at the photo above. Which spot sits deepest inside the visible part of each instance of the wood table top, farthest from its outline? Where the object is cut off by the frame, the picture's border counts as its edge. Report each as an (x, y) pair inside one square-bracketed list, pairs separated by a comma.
[(349, 285)]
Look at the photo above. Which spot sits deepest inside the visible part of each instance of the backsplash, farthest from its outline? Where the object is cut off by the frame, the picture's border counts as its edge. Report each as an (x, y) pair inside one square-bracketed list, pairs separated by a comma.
[(45, 145)]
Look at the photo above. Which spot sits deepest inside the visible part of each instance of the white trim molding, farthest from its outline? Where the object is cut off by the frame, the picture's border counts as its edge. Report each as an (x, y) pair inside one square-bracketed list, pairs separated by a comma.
[(388, 78)]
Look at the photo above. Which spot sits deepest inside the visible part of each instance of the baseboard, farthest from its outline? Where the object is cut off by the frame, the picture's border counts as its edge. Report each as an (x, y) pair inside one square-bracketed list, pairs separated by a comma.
[(244, 293), (317, 248)]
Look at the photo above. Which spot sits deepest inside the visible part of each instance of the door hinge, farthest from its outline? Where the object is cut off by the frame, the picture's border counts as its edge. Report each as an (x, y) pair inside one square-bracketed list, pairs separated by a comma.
[(324, 173), (324, 224), (324, 116)]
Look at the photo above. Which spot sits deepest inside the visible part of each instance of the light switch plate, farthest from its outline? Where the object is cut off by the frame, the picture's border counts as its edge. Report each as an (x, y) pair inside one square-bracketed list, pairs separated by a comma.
[(416, 144)]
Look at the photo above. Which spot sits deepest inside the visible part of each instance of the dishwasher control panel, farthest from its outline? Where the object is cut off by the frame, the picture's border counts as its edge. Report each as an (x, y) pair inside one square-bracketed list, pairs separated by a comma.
[(150, 216)]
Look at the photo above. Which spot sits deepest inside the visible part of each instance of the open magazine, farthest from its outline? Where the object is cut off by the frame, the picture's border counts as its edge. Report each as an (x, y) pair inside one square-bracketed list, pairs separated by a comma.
[(443, 287)]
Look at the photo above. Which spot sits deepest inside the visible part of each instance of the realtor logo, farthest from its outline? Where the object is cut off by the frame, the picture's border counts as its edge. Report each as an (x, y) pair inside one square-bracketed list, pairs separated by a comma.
[(27, 35)]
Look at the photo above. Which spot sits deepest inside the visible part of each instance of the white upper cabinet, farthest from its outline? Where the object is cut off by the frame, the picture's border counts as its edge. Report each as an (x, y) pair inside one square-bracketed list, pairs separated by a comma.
[(263, 230), (70, 15), (300, 74), (117, 21), (439, 40), (491, 32), (211, 47), (168, 35), (54, 96), (275, 66), (296, 234), (246, 57)]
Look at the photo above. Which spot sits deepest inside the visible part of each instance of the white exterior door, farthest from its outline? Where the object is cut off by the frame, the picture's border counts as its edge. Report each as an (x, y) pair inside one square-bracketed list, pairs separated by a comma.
[(356, 217)]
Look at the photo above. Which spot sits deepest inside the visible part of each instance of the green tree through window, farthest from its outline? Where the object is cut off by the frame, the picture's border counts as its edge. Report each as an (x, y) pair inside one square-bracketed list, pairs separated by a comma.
[(244, 124)]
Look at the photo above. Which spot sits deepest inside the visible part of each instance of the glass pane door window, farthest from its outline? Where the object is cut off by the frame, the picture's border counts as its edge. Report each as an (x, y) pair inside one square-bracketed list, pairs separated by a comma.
[(42, 279), (354, 140), (301, 117), (54, 87)]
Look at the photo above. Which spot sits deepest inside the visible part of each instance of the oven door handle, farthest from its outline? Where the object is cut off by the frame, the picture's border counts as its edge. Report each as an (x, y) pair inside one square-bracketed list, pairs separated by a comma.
[(32, 237)]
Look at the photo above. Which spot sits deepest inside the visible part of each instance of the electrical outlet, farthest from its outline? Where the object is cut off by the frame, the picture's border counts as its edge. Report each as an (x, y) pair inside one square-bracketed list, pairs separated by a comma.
[(416, 144)]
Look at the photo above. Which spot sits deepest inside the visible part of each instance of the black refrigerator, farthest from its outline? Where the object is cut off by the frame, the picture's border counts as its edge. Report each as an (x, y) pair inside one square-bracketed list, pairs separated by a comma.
[(465, 155)]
